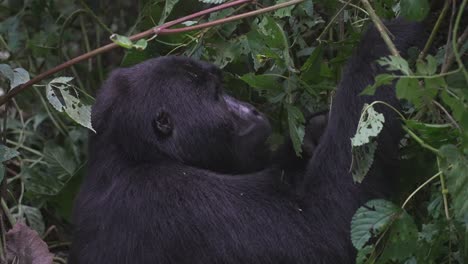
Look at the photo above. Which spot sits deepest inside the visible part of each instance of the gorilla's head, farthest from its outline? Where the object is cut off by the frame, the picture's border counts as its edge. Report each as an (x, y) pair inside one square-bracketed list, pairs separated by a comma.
[(175, 108)]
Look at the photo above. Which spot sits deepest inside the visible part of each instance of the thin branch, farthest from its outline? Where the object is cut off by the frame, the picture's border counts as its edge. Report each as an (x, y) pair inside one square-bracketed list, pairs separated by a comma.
[(159, 30), (420, 187), (381, 28), (450, 56), (454, 39), (429, 42)]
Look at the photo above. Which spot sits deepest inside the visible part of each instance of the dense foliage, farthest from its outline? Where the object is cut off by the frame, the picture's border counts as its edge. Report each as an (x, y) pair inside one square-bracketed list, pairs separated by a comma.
[(286, 63)]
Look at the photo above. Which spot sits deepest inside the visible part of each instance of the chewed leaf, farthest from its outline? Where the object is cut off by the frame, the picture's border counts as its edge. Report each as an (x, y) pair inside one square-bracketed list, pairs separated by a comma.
[(369, 126), (77, 111), (363, 157), (64, 97)]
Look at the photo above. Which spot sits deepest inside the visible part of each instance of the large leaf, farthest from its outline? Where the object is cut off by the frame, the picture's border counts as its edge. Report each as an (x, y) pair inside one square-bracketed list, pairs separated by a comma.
[(455, 167), (370, 220), (51, 178), (414, 9)]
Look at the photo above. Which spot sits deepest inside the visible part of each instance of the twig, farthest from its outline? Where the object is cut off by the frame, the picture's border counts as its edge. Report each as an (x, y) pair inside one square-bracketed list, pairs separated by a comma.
[(419, 188), (450, 56), (454, 39), (319, 38), (444, 192), (381, 28), (454, 123), (160, 30), (429, 42)]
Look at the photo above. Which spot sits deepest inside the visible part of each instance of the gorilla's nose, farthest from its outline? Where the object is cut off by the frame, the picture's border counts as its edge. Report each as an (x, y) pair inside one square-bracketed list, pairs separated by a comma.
[(242, 109)]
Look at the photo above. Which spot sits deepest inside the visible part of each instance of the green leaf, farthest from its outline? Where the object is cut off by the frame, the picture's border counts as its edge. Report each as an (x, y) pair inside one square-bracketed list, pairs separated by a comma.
[(296, 127), (141, 44), (7, 72), (455, 167), (34, 218), (267, 40), (402, 241), (2, 171), (16, 76), (21, 76), (310, 71), (361, 257), (381, 79), (363, 158), (260, 82), (169, 5), (308, 7), (59, 161), (428, 67), (77, 111), (435, 135), (408, 89), (122, 41), (63, 97), (370, 125), (370, 220), (51, 178), (7, 153), (415, 10), (283, 12), (395, 63)]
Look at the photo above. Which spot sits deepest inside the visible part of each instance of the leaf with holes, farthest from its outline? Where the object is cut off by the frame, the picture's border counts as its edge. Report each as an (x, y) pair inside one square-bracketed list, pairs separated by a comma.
[(63, 97), (370, 125)]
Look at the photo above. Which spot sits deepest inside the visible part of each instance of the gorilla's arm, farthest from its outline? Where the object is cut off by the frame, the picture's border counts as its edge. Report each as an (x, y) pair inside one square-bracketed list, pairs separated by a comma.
[(328, 170)]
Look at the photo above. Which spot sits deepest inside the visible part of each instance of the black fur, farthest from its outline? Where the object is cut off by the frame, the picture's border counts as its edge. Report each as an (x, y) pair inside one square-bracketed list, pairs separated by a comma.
[(160, 187)]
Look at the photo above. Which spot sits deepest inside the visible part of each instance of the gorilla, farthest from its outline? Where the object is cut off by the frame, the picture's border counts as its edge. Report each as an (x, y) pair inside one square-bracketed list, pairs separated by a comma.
[(180, 172)]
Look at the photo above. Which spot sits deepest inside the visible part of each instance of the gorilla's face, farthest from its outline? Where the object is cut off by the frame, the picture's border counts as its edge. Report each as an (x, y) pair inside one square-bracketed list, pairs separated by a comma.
[(175, 107)]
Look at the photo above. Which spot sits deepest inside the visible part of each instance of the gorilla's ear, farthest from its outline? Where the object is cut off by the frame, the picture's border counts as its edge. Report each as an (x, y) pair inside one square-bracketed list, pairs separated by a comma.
[(162, 124)]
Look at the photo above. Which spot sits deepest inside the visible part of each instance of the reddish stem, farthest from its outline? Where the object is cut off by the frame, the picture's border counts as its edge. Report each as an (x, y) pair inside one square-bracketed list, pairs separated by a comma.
[(18, 89)]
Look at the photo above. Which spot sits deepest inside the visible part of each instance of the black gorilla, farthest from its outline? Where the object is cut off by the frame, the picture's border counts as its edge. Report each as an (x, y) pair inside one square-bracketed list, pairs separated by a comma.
[(160, 185)]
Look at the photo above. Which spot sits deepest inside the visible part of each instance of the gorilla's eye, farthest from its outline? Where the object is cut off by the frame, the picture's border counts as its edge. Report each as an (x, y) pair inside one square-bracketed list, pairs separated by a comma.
[(162, 125)]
